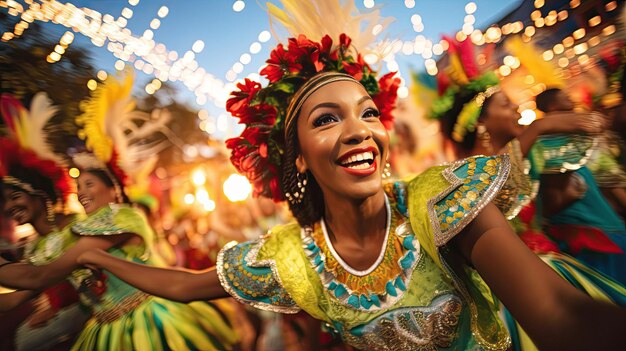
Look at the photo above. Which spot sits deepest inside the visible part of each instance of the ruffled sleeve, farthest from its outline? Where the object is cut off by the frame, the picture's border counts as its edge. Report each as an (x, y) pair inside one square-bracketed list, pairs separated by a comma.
[(116, 219), (442, 202), (252, 282), (474, 182)]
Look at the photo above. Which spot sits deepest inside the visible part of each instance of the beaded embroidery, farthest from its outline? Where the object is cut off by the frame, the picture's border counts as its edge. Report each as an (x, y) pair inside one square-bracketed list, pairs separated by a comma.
[(411, 328), (254, 285), (388, 280), (474, 183), (101, 223)]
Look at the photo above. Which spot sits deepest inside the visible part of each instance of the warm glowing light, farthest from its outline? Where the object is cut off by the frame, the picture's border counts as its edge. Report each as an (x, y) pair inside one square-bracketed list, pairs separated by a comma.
[(133, 2), (92, 84), (55, 56), (368, 3), (403, 92), (548, 55), (594, 41), (509, 60), (237, 188), (264, 36), (535, 15), (505, 70), (126, 12), (163, 11), (102, 75), (558, 49), (239, 5), (416, 19), (608, 30), (574, 3), (255, 48), (611, 6), (198, 177), (563, 62), (409, 4), (460, 36), (528, 116), (583, 59), (594, 21), (189, 199), (119, 65), (155, 23), (568, 41), (74, 172), (579, 33), (539, 3), (470, 8), (580, 48), (540, 22), (198, 46), (562, 16)]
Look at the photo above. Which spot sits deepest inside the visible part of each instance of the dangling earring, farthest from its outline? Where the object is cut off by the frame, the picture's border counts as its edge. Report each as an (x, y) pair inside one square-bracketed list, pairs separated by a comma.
[(484, 137), (387, 171), (298, 196), (50, 216)]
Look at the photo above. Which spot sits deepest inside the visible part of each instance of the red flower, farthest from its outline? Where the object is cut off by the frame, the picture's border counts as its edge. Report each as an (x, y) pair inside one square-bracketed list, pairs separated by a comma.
[(327, 45), (344, 41), (279, 63), (258, 114), (386, 98), (355, 69), (240, 99), (306, 52)]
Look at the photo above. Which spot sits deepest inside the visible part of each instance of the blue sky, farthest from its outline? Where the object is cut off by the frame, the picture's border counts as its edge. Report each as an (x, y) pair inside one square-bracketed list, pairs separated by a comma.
[(228, 34)]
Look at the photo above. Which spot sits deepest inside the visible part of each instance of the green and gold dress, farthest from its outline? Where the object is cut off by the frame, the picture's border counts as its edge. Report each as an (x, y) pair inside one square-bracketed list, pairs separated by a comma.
[(126, 318), (419, 294), (69, 314)]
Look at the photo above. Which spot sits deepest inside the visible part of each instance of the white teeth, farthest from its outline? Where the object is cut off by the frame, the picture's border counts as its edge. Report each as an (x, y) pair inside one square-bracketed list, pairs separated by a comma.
[(364, 156)]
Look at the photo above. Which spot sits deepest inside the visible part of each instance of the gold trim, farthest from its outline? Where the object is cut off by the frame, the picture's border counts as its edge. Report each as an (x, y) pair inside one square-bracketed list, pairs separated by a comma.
[(250, 260)]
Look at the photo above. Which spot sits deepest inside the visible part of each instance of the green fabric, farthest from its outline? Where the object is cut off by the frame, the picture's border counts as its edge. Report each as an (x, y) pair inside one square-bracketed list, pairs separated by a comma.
[(144, 322), (283, 248)]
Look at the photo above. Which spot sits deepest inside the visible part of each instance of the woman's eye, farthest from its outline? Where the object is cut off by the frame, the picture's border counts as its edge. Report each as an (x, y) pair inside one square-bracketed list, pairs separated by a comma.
[(324, 119), (371, 113)]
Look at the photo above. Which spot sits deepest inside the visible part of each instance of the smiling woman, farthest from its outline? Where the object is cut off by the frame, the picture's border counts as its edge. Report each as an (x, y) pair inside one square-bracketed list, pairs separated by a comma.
[(390, 266)]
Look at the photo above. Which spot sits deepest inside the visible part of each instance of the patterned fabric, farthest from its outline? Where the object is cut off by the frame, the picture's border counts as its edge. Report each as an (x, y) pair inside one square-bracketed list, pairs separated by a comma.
[(128, 319), (428, 308)]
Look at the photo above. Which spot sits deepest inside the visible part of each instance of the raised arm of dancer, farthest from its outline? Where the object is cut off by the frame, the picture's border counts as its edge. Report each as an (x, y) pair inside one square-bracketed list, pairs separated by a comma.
[(560, 122), (169, 283), (555, 314), (13, 299), (29, 277)]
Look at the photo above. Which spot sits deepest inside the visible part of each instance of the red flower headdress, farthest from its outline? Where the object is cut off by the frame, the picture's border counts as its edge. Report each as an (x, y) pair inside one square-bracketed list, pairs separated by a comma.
[(256, 153), (27, 161)]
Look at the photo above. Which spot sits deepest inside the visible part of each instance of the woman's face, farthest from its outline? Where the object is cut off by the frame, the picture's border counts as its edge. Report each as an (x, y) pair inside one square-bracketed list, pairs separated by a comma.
[(501, 117), (342, 141), (22, 207), (93, 193)]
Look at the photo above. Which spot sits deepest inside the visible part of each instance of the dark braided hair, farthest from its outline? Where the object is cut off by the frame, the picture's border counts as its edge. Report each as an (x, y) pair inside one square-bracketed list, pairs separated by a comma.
[(311, 208)]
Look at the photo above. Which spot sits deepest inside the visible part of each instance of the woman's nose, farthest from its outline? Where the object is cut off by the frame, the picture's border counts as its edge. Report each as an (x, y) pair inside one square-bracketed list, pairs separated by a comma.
[(355, 131)]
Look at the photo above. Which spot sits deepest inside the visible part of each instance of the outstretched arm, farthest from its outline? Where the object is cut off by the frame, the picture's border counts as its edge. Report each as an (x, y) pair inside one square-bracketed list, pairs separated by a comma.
[(28, 277), (555, 314), (560, 122), (169, 283), (11, 300)]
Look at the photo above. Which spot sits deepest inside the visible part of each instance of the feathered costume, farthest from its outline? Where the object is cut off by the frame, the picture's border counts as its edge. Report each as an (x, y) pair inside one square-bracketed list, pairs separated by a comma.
[(549, 154), (126, 318), (28, 164)]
